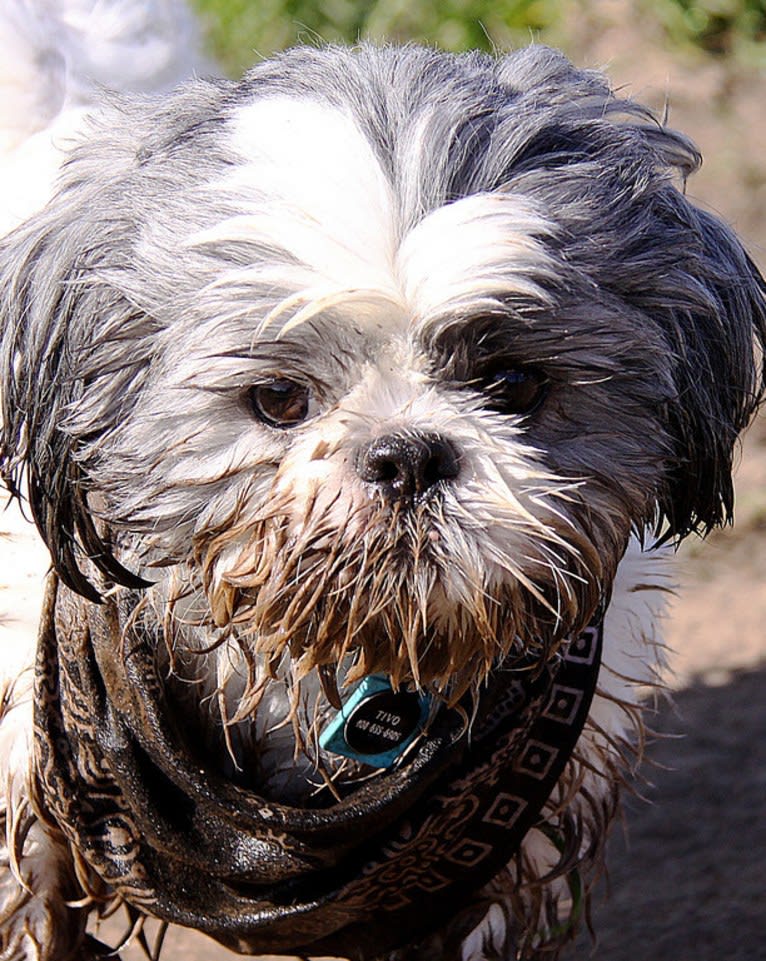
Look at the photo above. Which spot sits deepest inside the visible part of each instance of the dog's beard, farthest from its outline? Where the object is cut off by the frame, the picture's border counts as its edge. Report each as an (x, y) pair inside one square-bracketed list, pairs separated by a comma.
[(410, 591)]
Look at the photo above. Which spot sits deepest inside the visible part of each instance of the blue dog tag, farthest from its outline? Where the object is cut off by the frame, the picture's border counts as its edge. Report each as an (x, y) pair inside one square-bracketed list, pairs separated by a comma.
[(376, 724)]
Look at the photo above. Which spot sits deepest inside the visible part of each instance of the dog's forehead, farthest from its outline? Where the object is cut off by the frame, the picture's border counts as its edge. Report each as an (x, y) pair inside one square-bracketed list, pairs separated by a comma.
[(304, 170), (309, 186)]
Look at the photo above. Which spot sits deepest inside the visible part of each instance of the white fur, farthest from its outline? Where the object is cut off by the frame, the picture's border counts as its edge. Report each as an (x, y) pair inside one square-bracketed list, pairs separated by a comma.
[(27, 920), (24, 563), (326, 200), (310, 184), (340, 221)]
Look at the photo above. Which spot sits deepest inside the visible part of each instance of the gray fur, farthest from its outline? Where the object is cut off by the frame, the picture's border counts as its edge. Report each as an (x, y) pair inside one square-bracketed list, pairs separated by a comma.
[(95, 285), (132, 333)]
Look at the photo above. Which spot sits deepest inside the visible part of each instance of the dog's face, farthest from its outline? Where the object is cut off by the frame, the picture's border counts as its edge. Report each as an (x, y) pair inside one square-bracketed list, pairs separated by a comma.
[(381, 355)]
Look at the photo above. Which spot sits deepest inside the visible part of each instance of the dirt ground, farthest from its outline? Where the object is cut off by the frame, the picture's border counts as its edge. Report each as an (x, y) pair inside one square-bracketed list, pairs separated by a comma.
[(687, 876)]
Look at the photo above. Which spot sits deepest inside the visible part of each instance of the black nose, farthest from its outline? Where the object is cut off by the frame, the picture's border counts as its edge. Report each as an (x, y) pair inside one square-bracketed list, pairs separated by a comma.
[(407, 466)]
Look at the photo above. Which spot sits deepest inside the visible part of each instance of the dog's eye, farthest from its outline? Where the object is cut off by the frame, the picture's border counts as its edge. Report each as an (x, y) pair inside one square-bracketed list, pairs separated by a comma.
[(517, 390), (280, 402)]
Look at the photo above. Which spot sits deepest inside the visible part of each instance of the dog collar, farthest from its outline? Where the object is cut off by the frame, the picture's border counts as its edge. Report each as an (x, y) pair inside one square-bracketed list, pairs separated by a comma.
[(375, 870)]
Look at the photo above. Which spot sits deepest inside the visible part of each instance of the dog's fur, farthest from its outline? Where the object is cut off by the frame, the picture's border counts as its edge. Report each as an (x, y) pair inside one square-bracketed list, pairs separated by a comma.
[(406, 236)]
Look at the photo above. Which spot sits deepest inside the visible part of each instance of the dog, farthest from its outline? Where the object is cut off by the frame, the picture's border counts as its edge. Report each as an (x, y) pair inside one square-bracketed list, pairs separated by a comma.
[(359, 403)]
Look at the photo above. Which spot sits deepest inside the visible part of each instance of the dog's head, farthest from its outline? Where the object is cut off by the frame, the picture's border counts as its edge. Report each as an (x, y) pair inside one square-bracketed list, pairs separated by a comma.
[(382, 353)]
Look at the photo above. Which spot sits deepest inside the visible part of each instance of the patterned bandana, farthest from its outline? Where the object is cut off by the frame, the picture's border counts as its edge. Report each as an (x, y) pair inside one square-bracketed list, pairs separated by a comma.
[(356, 879)]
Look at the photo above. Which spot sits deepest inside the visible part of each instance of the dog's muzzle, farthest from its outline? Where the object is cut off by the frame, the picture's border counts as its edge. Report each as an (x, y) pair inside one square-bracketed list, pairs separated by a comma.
[(360, 877)]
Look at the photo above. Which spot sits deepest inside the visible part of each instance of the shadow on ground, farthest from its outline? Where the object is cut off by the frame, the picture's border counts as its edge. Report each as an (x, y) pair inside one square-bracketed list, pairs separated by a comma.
[(687, 878), (687, 875)]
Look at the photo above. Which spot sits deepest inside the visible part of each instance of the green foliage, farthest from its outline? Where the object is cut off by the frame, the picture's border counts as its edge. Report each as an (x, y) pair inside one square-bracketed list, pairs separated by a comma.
[(240, 31), (718, 27)]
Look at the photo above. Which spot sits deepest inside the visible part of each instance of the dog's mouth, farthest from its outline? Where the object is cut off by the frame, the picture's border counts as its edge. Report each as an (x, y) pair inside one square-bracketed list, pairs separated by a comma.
[(413, 595), (312, 737), (306, 618)]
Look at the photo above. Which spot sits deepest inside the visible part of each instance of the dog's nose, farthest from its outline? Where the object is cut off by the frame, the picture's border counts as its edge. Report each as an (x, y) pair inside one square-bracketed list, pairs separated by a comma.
[(407, 466)]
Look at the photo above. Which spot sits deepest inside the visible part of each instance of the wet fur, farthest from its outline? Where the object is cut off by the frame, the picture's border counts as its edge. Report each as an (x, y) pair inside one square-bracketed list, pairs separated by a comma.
[(383, 225)]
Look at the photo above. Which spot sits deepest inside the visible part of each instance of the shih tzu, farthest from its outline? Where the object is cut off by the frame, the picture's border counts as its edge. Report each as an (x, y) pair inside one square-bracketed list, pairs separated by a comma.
[(352, 401)]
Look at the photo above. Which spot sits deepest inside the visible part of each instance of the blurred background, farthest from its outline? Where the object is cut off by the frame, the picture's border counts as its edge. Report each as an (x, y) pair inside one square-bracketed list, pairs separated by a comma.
[(686, 876), (240, 29)]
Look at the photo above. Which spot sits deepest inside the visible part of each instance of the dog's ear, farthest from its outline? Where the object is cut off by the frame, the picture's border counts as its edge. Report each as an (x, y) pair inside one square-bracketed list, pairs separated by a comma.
[(51, 316), (77, 338), (716, 334)]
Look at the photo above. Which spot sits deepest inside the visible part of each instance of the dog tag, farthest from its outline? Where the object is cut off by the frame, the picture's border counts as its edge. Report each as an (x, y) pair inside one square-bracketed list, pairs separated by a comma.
[(376, 724)]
